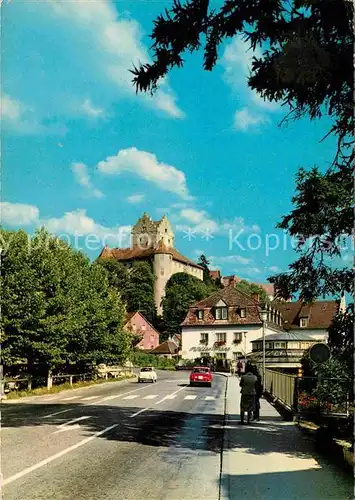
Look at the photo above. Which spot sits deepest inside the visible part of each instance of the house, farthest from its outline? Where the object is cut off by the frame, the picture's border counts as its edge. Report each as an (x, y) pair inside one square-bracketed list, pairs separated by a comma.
[(216, 275), (312, 319), (167, 349), (283, 350), (223, 325), (136, 323), (153, 241)]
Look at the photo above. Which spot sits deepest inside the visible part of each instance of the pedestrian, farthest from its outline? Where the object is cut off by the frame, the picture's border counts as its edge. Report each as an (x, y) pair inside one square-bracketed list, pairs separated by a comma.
[(239, 368), (259, 392), (233, 367), (248, 392)]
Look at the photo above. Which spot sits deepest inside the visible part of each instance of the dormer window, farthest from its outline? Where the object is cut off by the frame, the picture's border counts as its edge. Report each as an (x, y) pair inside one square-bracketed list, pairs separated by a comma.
[(303, 322), (221, 313), (200, 314), (242, 313)]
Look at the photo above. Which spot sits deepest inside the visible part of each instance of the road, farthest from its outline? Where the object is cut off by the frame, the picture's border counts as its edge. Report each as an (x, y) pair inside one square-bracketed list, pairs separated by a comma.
[(161, 441), (116, 441)]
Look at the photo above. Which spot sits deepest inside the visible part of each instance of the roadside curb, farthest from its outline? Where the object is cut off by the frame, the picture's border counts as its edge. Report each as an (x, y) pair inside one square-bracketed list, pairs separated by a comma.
[(27, 399)]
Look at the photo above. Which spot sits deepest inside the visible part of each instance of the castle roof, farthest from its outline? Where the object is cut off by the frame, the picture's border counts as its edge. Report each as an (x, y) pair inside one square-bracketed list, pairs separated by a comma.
[(137, 252)]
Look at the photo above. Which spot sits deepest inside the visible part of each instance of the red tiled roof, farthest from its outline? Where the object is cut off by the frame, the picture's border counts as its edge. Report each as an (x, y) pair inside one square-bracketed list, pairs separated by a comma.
[(215, 274), (167, 347), (136, 252), (320, 313), (234, 299), (268, 287)]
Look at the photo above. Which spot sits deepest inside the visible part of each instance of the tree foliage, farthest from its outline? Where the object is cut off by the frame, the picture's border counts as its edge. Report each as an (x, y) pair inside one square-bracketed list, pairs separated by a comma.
[(204, 263), (252, 289), (306, 63), (135, 285), (56, 305), (182, 290)]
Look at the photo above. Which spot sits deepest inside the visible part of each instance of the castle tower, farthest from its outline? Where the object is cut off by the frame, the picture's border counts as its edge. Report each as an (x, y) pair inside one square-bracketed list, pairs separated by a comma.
[(149, 233), (163, 269)]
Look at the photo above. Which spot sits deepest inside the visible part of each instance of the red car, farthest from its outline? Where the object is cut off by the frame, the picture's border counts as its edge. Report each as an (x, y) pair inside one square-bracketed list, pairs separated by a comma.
[(201, 375)]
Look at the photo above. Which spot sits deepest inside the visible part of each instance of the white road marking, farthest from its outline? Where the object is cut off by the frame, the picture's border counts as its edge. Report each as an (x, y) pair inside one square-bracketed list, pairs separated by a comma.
[(90, 397), (210, 398), (151, 396), (107, 398), (170, 396), (58, 413), (66, 427), (132, 396), (48, 460), (140, 411), (71, 398), (190, 397)]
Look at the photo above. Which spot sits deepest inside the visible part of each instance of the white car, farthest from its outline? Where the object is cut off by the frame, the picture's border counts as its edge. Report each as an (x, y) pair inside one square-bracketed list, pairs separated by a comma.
[(147, 374)]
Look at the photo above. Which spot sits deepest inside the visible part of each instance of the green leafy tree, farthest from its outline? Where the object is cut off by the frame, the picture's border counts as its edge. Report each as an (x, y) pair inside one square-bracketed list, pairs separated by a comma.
[(204, 263), (306, 64), (118, 275), (182, 290), (252, 289), (140, 290), (57, 307)]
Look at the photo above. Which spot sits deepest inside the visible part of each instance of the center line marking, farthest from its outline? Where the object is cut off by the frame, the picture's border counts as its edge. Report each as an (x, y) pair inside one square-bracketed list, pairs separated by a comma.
[(48, 460), (71, 398), (57, 413), (107, 398), (90, 397), (170, 396)]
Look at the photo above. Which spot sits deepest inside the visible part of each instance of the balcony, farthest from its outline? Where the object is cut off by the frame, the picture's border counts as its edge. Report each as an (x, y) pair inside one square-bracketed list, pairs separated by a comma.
[(204, 341), (220, 343)]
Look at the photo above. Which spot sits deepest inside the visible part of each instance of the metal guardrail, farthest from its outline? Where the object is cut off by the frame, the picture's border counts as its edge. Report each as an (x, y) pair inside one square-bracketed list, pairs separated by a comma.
[(281, 387)]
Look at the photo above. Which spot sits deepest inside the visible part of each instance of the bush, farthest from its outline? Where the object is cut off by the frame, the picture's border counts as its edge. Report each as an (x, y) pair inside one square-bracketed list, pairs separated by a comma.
[(159, 362)]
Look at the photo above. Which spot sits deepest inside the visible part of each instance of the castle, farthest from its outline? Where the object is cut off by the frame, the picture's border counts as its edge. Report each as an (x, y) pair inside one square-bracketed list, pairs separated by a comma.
[(153, 241)]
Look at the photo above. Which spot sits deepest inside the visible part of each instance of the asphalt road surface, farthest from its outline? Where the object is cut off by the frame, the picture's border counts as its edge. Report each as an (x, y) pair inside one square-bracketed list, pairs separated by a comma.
[(116, 441)]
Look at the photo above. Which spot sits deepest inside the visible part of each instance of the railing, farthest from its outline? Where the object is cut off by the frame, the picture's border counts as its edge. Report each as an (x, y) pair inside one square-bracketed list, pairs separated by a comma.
[(281, 387), (310, 395)]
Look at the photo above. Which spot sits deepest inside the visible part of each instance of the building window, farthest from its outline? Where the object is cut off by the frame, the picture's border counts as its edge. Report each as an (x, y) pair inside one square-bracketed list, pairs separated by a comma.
[(200, 314), (269, 345), (238, 337), (221, 355), (242, 313), (204, 338), (221, 337), (293, 345), (237, 355), (280, 345), (305, 345), (221, 313), (303, 322), (143, 328)]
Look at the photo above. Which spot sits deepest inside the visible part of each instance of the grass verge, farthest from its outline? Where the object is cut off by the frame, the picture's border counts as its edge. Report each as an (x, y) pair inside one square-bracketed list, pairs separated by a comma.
[(41, 391)]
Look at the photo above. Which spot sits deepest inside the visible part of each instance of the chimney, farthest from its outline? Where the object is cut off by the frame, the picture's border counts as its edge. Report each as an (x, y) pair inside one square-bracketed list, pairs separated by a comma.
[(232, 281)]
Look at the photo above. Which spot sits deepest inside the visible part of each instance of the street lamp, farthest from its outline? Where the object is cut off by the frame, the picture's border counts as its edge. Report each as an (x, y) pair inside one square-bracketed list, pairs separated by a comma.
[(263, 316)]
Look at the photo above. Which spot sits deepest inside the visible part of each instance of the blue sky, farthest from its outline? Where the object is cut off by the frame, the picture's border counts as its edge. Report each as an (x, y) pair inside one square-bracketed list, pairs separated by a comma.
[(83, 154)]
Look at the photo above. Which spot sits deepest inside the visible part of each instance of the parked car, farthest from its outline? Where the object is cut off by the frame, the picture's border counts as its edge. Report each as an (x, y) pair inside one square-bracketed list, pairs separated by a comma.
[(201, 375), (147, 374)]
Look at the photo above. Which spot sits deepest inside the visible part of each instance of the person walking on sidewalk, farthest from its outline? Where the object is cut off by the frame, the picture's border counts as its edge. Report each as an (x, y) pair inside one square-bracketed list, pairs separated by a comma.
[(248, 389), (258, 394), (233, 367), (240, 368)]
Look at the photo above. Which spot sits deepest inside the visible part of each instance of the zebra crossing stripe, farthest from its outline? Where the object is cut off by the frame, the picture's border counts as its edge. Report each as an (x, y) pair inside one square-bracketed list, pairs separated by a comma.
[(151, 396), (131, 396), (71, 398), (210, 398), (90, 397), (190, 397)]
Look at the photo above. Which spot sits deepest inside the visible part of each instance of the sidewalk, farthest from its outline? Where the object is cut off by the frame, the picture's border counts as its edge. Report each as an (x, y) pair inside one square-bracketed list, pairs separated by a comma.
[(273, 460)]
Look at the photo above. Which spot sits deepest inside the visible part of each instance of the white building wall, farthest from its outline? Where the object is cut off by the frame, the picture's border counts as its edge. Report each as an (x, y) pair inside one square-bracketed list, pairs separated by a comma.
[(191, 347)]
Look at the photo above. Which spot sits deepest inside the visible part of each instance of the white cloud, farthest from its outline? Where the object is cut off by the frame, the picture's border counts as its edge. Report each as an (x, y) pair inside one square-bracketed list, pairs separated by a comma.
[(146, 166), (117, 46), (237, 64), (135, 198), (238, 224), (244, 119), (81, 175), (90, 110), (235, 258), (18, 214), (249, 271), (197, 220), (274, 269)]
